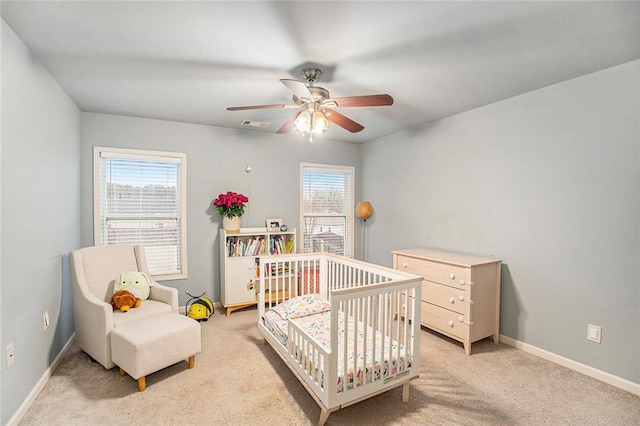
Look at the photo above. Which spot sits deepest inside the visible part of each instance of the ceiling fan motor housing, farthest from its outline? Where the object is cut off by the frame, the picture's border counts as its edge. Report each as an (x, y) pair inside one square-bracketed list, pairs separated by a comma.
[(311, 75), (319, 94)]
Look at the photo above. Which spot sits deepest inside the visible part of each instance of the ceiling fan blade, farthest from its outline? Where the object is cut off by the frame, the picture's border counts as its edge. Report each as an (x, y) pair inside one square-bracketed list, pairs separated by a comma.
[(242, 108), (288, 125), (360, 101), (298, 88), (342, 121)]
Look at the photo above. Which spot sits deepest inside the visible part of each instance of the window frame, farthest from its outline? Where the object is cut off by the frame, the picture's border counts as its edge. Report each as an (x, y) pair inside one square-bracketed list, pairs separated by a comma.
[(141, 154), (349, 217)]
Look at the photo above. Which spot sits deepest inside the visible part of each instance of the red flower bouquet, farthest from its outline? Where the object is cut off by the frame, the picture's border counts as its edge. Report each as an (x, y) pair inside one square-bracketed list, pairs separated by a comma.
[(230, 204)]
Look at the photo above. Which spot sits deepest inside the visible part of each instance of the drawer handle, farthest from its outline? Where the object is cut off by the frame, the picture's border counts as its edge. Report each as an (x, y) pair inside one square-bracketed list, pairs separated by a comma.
[(405, 265), (452, 276), (461, 298), (451, 300), (450, 323), (460, 319)]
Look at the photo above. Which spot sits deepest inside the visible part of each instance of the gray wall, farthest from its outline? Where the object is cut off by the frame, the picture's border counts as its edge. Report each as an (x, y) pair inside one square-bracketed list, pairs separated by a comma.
[(549, 182), (216, 160), (40, 178)]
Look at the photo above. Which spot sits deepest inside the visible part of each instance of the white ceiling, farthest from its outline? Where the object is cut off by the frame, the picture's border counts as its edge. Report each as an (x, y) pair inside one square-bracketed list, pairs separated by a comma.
[(188, 61)]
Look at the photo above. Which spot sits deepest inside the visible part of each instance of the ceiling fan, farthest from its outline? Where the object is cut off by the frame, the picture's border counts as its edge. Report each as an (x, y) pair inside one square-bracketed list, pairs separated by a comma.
[(317, 106)]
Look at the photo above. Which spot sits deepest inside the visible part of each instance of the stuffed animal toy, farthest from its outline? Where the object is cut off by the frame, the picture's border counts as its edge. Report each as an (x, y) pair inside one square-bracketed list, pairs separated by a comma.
[(199, 308), (136, 282), (124, 300)]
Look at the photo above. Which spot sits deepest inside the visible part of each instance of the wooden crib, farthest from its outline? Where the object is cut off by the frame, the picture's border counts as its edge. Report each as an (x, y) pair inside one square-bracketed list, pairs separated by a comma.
[(353, 339)]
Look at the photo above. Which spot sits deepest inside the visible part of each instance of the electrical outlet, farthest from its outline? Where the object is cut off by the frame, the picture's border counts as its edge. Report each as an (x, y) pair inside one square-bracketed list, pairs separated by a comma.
[(594, 333), (46, 320), (11, 356)]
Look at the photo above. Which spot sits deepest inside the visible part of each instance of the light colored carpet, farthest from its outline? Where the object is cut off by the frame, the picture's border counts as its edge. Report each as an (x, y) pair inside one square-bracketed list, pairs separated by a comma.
[(239, 381)]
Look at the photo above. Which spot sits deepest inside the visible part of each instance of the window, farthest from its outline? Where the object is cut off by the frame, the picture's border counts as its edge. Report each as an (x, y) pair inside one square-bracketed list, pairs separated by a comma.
[(326, 208), (139, 198)]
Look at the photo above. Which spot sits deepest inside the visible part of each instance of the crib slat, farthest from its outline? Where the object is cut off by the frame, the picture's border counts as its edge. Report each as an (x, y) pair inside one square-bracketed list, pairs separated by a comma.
[(399, 337), (406, 341), (345, 381)]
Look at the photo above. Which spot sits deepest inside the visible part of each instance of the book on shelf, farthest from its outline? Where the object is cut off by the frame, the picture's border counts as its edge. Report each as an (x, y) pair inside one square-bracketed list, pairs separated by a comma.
[(289, 247), (243, 247), (278, 245), (251, 246)]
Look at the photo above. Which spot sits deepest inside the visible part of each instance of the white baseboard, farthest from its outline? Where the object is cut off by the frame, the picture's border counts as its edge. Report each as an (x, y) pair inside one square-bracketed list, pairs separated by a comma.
[(603, 376), (26, 404)]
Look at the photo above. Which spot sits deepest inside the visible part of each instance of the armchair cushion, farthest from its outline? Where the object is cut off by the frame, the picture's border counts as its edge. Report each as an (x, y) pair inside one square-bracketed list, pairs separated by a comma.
[(147, 309)]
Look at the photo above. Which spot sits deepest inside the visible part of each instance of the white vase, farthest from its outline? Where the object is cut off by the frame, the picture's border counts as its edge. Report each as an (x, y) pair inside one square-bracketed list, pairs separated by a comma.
[(231, 224)]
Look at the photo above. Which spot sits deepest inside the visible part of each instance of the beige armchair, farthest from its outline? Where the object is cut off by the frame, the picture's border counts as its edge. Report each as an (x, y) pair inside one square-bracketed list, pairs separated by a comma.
[(94, 270)]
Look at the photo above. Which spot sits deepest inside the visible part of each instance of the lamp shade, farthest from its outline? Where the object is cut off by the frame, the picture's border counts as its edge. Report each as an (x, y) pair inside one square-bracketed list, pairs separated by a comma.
[(303, 122), (364, 210), (320, 122)]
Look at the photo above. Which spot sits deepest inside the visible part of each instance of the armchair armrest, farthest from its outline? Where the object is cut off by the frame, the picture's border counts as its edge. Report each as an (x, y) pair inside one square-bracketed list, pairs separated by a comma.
[(100, 312), (93, 319), (166, 294), (87, 305)]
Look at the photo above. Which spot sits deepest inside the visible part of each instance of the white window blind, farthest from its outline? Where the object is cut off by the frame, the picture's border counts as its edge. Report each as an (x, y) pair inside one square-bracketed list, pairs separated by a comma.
[(326, 198), (140, 201)]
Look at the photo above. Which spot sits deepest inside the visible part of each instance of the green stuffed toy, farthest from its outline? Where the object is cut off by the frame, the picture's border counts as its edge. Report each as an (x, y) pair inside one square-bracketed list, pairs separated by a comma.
[(136, 282)]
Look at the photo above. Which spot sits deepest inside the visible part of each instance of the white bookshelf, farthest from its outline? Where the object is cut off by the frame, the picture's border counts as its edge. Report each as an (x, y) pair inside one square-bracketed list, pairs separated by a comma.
[(239, 260)]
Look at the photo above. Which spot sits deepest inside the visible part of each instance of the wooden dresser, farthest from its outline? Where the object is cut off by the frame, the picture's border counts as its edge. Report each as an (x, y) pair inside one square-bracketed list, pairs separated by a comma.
[(460, 292)]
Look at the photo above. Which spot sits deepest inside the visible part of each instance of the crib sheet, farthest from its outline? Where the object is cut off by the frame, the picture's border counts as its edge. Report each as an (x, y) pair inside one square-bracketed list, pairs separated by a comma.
[(318, 326)]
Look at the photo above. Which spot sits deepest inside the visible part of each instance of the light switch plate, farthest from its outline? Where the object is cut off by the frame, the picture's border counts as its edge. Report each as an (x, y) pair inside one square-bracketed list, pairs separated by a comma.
[(594, 333)]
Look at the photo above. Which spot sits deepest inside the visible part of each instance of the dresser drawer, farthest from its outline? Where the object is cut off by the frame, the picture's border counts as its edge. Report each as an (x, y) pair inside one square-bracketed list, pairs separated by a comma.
[(442, 273), (443, 320), (441, 295)]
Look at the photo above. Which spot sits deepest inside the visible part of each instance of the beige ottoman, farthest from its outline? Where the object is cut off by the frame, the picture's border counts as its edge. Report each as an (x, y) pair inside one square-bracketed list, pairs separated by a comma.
[(151, 344)]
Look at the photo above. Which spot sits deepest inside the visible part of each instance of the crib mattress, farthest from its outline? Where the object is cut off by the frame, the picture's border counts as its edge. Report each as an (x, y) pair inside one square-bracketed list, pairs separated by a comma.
[(318, 326)]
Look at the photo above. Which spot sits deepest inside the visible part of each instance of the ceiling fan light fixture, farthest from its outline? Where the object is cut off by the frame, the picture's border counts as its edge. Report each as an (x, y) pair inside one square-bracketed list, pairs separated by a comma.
[(320, 122), (303, 122)]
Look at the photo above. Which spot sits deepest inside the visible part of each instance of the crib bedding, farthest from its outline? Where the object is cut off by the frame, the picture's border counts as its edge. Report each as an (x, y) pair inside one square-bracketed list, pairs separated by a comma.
[(276, 326), (318, 326)]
